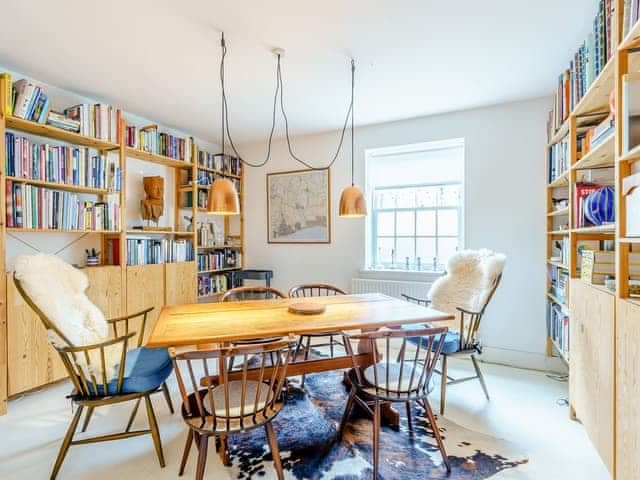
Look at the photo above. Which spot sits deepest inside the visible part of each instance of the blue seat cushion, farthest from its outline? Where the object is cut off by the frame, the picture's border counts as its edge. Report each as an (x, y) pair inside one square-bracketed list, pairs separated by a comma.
[(451, 340), (144, 369)]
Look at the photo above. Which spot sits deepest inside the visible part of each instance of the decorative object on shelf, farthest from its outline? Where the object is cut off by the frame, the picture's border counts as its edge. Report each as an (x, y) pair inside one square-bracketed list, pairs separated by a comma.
[(189, 225), (306, 308), (298, 206), (599, 206), (152, 207), (93, 257)]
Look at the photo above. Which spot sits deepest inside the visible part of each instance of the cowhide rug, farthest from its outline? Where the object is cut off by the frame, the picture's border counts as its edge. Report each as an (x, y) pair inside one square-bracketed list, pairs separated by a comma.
[(306, 429)]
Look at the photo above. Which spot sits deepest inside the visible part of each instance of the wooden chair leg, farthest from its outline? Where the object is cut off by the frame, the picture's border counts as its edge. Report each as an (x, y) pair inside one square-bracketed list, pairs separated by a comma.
[(155, 434), (275, 449), (331, 345), (185, 453), (223, 450), (87, 418), (132, 417), (66, 442), (167, 397), (476, 365), (443, 384), (306, 356), (436, 433), (347, 411), (409, 421), (376, 438), (202, 456)]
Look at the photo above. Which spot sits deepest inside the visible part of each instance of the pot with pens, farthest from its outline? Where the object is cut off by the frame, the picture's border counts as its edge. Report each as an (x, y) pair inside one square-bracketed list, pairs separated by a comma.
[(93, 257)]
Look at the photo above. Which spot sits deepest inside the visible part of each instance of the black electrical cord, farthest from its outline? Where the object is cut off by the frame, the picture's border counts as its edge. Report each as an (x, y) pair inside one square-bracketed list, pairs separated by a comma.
[(280, 91)]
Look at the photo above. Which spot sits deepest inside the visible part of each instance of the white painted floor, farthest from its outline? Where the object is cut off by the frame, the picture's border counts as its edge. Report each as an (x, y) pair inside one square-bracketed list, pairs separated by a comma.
[(523, 409)]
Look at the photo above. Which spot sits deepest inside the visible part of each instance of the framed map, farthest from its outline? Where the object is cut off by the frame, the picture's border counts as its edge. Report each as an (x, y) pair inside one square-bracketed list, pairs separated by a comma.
[(298, 209)]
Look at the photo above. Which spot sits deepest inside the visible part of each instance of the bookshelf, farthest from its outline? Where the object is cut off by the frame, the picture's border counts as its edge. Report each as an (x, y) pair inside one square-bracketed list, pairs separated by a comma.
[(603, 323), (115, 286)]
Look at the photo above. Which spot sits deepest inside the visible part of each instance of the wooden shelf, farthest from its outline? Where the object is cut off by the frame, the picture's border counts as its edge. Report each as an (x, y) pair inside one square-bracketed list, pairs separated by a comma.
[(60, 230), (189, 188), (559, 351), (596, 286), (157, 232), (60, 186), (558, 213), (631, 156), (555, 299), (559, 232), (603, 155), (43, 130), (212, 295), (228, 269), (560, 133), (155, 158), (603, 229), (632, 39), (218, 172), (596, 98), (558, 264), (629, 239), (560, 181)]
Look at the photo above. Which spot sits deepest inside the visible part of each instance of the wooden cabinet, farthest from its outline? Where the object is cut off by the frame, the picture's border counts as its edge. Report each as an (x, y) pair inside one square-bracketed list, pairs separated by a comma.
[(105, 289), (181, 282), (591, 380), (628, 390), (145, 288), (32, 361)]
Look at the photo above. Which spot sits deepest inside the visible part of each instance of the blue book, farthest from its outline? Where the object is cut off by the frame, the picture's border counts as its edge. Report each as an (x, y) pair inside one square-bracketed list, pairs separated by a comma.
[(33, 103), (45, 110)]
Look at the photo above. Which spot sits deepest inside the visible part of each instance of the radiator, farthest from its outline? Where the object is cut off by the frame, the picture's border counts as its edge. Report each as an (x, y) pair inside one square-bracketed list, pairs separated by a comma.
[(393, 288)]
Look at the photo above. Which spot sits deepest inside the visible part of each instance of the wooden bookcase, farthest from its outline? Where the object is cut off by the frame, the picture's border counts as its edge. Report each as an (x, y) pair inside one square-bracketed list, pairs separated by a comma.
[(27, 361), (604, 362)]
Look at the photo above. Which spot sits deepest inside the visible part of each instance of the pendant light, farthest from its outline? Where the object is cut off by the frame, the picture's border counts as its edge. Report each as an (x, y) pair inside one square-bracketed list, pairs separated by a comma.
[(352, 203), (223, 197)]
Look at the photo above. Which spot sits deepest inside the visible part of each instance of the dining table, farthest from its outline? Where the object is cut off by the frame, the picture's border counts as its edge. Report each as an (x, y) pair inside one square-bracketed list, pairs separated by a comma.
[(200, 325)]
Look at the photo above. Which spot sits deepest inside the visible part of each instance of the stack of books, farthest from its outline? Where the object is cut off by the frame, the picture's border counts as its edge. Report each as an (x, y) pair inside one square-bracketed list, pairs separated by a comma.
[(235, 166), (630, 17), (208, 285), (558, 327), (223, 258), (29, 206), (148, 139), (60, 164), (28, 100), (584, 68), (147, 251), (559, 158), (99, 121), (60, 120), (214, 161), (558, 282)]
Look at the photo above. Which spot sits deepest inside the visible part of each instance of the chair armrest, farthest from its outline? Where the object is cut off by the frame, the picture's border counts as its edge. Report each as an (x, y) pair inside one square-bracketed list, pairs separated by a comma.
[(125, 318), (419, 301), (468, 312)]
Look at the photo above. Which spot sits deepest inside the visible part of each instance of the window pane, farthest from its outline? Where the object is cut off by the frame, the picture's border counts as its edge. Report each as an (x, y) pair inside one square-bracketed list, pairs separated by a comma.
[(449, 196), (426, 251), (446, 248), (405, 223), (426, 196), (447, 222), (426, 222), (385, 223), (405, 249), (385, 246), (384, 199), (406, 197)]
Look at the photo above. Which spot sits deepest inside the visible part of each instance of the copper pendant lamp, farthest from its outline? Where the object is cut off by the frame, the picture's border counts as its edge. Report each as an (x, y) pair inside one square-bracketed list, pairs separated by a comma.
[(352, 202)]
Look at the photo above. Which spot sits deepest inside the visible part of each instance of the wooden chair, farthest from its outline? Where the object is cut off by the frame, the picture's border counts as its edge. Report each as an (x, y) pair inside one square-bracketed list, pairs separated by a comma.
[(462, 343), (139, 374), (316, 290), (404, 380), (235, 402), (251, 292)]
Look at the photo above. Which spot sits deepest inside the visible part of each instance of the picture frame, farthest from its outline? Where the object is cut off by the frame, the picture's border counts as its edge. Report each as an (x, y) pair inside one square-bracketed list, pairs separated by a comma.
[(299, 206)]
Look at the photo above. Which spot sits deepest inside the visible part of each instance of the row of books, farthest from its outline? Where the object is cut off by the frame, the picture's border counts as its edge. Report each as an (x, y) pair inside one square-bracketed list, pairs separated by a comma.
[(147, 251), (558, 327), (98, 120), (630, 15), (581, 191), (220, 162), (207, 178), (558, 283), (29, 206), (60, 164), (217, 259), (208, 285), (561, 249), (584, 68), (149, 139), (559, 158), (28, 100)]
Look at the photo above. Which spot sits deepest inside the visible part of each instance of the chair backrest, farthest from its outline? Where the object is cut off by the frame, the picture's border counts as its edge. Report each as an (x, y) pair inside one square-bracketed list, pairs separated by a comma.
[(405, 370), (470, 320), (237, 398), (251, 293), (315, 290)]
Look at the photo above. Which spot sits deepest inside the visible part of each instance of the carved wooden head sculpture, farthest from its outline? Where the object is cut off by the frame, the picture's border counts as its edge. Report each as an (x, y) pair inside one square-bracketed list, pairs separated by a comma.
[(152, 207)]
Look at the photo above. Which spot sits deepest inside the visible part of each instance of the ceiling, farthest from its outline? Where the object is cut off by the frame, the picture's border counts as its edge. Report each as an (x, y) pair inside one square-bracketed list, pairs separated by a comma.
[(160, 58)]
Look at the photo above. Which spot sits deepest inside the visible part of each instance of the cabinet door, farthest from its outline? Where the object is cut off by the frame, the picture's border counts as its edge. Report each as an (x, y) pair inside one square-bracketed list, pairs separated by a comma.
[(628, 390), (105, 289), (181, 280), (145, 288), (592, 363), (32, 361)]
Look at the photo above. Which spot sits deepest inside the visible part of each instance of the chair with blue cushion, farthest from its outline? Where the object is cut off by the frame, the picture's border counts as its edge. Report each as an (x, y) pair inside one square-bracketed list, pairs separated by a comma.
[(108, 373), (464, 341)]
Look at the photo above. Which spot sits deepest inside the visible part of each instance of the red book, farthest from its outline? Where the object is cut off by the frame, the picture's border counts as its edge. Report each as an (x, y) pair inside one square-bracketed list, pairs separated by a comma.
[(582, 191)]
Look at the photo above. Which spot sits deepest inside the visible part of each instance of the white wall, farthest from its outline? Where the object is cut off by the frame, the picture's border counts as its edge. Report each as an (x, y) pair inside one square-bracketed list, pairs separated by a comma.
[(504, 211)]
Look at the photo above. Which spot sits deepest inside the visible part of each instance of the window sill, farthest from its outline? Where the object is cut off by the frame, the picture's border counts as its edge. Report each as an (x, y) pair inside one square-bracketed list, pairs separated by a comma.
[(401, 275)]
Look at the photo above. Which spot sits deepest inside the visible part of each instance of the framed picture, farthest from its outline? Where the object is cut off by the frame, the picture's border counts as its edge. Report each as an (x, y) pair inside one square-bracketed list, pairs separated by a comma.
[(298, 207)]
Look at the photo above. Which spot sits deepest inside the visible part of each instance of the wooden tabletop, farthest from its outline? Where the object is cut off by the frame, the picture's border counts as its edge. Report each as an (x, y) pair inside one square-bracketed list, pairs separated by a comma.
[(200, 323)]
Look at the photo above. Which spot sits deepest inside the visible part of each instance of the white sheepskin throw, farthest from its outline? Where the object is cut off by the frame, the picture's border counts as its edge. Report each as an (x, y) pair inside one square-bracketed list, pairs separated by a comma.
[(58, 290), (467, 283)]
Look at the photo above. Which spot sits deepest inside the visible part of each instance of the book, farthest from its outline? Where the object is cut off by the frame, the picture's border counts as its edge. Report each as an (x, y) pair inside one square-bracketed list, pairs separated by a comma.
[(24, 93), (8, 100)]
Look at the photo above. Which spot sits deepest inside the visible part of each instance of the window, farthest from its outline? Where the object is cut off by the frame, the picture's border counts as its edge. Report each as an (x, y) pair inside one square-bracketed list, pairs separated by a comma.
[(416, 198)]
